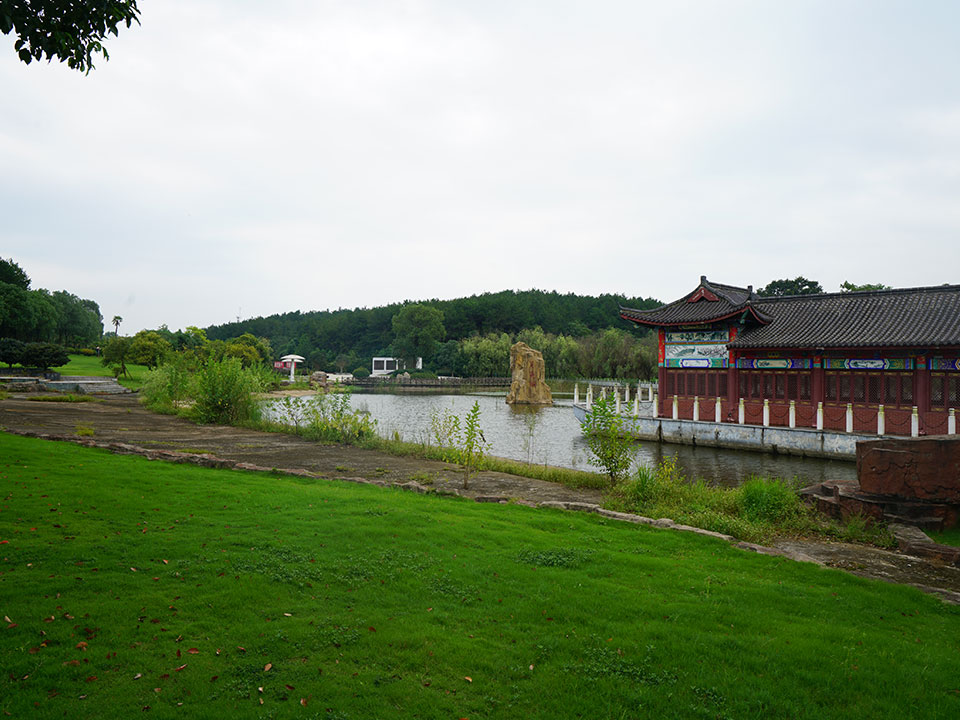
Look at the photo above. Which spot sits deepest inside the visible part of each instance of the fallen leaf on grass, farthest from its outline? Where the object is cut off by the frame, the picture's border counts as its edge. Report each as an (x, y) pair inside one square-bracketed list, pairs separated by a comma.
[(138, 676), (180, 668), (193, 651), (82, 645), (468, 678), (91, 678), (267, 667)]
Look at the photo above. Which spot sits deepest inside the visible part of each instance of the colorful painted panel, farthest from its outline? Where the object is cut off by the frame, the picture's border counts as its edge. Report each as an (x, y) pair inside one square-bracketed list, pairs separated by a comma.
[(867, 364), (945, 364), (698, 345), (774, 363), (715, 363)]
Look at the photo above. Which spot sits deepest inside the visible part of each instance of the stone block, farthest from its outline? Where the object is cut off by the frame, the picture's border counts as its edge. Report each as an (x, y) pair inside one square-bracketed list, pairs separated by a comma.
[(924, 468)]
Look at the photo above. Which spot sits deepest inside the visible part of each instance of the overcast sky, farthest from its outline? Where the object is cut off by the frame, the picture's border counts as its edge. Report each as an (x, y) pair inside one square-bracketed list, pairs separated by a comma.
[(247, 158)]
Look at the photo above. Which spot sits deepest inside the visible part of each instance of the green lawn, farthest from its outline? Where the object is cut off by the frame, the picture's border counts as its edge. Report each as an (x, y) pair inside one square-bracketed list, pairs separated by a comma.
[(128, 584), (85, 365), (947, 537)]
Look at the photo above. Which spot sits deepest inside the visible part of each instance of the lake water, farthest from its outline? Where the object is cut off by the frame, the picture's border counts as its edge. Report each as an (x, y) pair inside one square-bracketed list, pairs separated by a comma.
[(551, 436)]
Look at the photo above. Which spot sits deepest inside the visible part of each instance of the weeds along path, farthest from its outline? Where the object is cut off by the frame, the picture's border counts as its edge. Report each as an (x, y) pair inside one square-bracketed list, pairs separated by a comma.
[(121, 419)]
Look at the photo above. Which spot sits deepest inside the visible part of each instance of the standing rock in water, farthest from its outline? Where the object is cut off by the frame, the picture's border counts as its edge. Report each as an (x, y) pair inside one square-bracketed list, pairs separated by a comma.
[(527, 386)]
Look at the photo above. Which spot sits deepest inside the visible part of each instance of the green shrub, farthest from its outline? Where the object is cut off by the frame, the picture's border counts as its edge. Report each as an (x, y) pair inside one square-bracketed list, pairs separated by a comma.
[(224, 393), (44, 355), (168, 387), (361, 372)]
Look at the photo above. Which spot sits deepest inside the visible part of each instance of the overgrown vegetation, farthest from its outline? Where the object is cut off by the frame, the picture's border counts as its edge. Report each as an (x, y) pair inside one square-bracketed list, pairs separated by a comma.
[(224, 393), (757, 511), (189, 592)]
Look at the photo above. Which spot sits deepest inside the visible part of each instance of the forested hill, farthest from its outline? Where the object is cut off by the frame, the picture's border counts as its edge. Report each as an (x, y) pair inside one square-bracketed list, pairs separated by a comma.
[(365, 332)]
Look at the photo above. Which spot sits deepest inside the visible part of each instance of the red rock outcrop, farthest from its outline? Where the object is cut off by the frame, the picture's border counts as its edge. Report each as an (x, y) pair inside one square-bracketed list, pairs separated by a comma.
[(926, 468)]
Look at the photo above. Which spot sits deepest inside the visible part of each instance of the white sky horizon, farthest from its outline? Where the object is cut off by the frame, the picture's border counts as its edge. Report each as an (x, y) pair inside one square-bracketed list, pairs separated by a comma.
[(251, 159)]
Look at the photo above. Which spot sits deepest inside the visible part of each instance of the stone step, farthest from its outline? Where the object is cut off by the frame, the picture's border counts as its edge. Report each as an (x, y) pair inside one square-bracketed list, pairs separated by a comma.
[(924, 523)]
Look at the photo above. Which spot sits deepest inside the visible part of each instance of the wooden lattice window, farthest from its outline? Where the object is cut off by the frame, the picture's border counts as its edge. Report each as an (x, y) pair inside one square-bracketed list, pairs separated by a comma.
[(722, 384), (937, 390), (844, 388), (671, 383), (805, 386), (831, 389), (874, 383), (891, 385), (906, 389)]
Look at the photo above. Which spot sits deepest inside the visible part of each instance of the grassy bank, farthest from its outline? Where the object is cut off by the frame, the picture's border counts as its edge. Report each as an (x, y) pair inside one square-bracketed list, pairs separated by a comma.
[(130, 584), (91, 366)]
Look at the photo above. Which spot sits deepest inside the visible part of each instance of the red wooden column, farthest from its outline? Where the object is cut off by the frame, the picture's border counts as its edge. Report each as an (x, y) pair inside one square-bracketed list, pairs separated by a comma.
[(733, 376), (817, 386), (921, 384), (661, 373)]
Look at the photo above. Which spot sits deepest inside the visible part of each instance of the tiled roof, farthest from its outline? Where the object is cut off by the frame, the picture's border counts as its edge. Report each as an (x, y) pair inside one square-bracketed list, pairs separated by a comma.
[(718, 302), (926, 316)]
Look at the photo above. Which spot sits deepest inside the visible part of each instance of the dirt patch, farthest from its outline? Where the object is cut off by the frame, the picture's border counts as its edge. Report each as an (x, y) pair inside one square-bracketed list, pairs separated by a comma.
[(122, 419)]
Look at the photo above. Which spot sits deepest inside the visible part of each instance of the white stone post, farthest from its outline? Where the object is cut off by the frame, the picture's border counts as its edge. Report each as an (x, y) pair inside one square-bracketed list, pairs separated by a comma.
[(915, 422), (639, 388), (576, 393), (849, 417), (603, 392), (589, 396), (636, 406), (716, 411), (881, 421), (820, 415), (626, 393), (952, 422), (766, 412), (741, 413), (676, 408), (696, 408), (656, 405), (616, 394), (293, 365), (793, 413)]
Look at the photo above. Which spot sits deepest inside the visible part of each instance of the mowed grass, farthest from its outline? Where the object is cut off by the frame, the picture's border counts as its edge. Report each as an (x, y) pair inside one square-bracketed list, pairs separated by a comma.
[(91, 366), (127, 584)]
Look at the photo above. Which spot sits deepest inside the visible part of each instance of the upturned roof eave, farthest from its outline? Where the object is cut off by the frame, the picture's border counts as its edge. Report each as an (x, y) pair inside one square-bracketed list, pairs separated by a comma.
[(760, 317)]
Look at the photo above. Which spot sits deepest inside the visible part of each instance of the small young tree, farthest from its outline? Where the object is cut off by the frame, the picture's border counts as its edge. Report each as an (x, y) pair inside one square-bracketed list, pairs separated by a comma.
[(116, 355), (472, 445), (612, 450)]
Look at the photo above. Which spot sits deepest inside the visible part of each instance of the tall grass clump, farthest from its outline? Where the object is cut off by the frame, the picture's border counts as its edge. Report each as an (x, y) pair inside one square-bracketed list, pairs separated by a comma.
[(169, 387), (224, 393), (758, 510), (330, 418)]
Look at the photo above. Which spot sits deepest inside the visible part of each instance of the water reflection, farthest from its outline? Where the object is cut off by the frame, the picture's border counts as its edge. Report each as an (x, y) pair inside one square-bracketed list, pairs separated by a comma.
[(551, 436)]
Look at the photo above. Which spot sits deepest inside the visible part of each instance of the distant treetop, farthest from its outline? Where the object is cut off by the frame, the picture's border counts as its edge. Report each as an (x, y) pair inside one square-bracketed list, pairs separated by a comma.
[(847, 286), (797, 286)]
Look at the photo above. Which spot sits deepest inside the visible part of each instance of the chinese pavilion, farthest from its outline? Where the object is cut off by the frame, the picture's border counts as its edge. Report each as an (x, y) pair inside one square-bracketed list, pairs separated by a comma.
[(887, 353)]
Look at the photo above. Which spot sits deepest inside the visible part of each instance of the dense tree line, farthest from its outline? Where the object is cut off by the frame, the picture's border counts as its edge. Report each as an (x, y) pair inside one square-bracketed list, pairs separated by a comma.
[(43, 316), (345, 339)]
